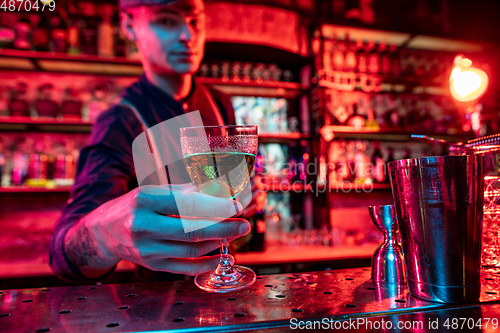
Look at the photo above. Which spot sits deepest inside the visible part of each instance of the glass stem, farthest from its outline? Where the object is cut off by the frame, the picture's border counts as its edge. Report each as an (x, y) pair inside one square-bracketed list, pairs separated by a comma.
[(224, 263)]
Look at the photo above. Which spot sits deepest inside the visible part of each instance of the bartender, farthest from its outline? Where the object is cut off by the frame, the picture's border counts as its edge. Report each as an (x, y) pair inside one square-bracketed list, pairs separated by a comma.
[(108, 218)]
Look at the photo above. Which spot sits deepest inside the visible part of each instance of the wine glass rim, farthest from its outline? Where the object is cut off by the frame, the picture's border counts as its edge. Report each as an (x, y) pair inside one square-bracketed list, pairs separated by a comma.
[(222, 126)]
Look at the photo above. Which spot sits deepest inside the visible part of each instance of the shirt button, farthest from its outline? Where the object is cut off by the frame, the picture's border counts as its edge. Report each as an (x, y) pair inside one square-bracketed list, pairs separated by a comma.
[(184, 106)]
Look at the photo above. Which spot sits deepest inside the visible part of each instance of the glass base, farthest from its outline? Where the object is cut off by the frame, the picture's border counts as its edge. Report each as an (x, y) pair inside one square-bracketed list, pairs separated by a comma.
[(240, 277)]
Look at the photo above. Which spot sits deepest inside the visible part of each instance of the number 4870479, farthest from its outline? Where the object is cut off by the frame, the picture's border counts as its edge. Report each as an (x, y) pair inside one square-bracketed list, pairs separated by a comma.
[(27, 5)]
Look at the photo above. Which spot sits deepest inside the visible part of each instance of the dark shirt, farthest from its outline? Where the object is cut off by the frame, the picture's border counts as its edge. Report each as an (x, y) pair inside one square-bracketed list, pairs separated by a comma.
[(106, 168)]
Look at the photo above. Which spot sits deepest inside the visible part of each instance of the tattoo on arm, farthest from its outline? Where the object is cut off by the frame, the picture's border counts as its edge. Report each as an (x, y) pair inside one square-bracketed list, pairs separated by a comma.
[(79, 246)]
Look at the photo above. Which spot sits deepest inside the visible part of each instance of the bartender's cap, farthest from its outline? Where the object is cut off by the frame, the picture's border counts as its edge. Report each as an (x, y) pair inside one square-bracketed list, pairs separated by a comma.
[(126, 4)]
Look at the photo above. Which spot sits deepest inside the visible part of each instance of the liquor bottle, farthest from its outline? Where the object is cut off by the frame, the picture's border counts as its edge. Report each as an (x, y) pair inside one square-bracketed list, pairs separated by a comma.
[(19, 168), (57, 34), (97, 103), (385, 58), (356, 120), (45, 105), (120, 41), (327, 54), (258, 240), (105, 40), (338, 55), (390, 158), (18, 104), (276, 72), (7, 32), (247, 71), (73, 35), (2, 163), (23, 39), (362, 163), (71, 106), (350, 56), (37, 169), (379, 172), (225, 68), (373, 61), (395, 60), (40, 32), (88, 28), (362, 57), (4, 101)]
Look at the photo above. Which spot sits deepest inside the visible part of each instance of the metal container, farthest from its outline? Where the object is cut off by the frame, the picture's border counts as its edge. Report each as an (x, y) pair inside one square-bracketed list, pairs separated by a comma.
[(439, 207), (387, 261)]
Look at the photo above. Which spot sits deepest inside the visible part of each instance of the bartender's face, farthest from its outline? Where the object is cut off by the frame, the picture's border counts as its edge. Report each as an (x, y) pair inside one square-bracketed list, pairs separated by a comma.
[(171, 38)]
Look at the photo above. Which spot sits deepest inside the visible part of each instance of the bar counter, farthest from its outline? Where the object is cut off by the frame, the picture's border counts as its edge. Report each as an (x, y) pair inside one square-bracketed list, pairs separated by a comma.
[(345, 300)]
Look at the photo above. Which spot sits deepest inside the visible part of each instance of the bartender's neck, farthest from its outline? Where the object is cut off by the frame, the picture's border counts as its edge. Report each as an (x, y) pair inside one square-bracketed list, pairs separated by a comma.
[(177, 86)]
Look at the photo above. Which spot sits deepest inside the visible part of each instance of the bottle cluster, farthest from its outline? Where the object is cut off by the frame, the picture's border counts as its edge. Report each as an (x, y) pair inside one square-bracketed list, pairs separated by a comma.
[(39, 159), (401, 112), (245, 72), (365, 162), (378, 57), (77, 27), (58, 96)]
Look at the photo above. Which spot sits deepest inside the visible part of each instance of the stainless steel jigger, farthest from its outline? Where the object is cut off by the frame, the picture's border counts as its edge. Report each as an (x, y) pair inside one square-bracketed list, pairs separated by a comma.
[(387, 261)]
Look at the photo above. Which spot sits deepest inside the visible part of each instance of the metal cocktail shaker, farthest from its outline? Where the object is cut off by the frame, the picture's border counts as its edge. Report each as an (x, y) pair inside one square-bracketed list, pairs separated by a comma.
[(439, 207)]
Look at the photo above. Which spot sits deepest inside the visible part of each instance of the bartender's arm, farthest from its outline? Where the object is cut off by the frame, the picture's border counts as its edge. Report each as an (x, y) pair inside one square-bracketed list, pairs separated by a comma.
[(105, 221), (136, 227)]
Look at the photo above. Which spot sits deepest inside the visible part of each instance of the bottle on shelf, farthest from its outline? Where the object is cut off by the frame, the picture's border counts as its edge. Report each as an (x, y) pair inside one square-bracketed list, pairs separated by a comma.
[(338, 55), (390, 158), (362, 56), (258, 230), (23, 39), (73, 35), (379, 172), (105, 34), (41, 29), (97, 103), (58, 34), (395, 61), (45, 105), (18, 104), (385, 58), (19, 168), (328, 45), (72, 105), (373, 61), (7, 32), (37, 170), (88, 28), (350, 55), (362, 163), (356, 120)]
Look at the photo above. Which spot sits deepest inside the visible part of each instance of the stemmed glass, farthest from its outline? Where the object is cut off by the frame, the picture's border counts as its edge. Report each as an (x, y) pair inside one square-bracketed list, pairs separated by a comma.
[(220, 160)]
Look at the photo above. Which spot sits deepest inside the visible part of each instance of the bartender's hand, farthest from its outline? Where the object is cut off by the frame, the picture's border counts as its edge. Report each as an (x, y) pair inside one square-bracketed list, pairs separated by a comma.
[(141, 227)]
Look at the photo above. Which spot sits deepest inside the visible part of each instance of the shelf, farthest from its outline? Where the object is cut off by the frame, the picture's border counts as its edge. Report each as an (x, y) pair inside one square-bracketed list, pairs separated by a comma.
[(75, 125), (96, 65), (376, 83), (27, 189), (255, 88), (66, 63), (44, 124), (281, 137), (402, 39), (329, 132)]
